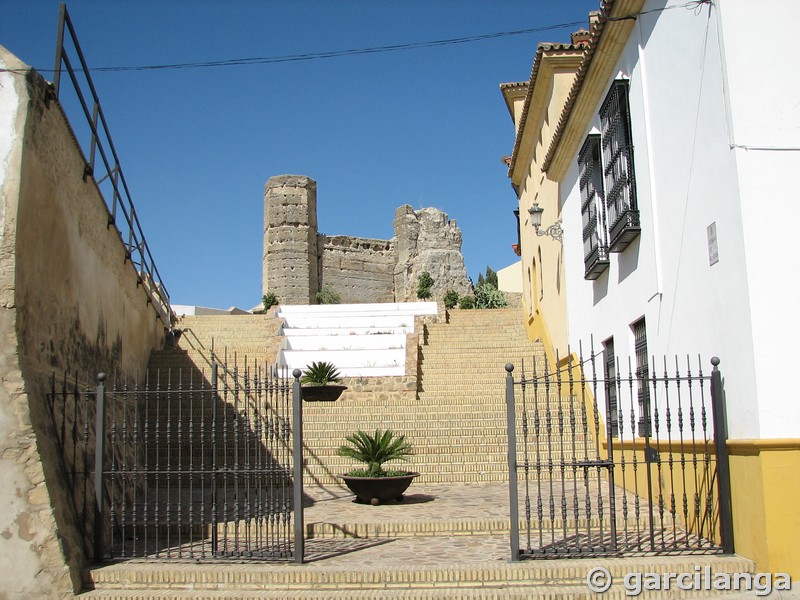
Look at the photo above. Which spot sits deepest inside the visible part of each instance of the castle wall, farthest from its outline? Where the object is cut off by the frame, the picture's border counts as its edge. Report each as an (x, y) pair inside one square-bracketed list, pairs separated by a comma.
[(358, 269), (298, 261), (427, 240), (69, 302)]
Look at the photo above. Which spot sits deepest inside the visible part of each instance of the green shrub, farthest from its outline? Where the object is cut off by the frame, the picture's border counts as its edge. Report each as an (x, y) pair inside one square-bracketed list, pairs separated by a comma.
[(451, 299), (269, 300), (374, 450), (424, 286), (488, 296), (320, 373), (467, 302), (328, 296)]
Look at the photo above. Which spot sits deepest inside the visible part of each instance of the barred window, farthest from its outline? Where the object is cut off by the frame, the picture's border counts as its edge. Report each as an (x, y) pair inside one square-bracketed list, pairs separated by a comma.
[(595, 246), (612, 405), (619, 179), (642, 376)]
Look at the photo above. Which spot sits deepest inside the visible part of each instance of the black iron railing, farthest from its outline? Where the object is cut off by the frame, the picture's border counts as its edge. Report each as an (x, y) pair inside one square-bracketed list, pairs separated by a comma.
[(654, 481), (190, 465), (111, 181)]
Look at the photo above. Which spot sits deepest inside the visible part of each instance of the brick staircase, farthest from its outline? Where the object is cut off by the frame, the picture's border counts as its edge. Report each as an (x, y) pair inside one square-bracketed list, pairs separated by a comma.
[(449, 538), (457, 418)]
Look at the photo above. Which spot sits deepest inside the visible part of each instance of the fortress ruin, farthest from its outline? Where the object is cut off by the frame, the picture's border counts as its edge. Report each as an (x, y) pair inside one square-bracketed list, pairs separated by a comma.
[(298, 260)]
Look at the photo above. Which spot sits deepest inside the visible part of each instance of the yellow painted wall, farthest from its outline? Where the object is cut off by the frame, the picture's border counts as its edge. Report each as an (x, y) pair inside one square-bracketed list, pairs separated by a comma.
[(542, 256), (765, 481)]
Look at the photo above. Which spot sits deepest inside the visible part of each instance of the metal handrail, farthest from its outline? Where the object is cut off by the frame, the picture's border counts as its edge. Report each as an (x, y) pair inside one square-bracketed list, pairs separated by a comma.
[(137, 249)]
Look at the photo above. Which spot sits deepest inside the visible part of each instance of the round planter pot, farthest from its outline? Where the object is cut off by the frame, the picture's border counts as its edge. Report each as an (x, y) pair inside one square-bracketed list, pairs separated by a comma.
[(374, 490), (322, 393)]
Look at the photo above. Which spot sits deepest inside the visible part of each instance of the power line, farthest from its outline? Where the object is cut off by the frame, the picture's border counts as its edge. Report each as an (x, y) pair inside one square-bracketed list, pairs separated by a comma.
[(266, 60)]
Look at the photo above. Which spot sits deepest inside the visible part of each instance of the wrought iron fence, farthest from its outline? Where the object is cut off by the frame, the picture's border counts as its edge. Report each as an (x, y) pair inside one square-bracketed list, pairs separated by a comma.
[(189, 465), (605, 458), (111, 181)]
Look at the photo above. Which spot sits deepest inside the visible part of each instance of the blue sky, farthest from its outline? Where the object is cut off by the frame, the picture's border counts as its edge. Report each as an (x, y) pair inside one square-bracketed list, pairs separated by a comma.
[(424, 126)]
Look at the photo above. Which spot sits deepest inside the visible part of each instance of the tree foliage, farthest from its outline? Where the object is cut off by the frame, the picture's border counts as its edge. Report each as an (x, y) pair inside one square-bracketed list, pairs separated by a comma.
[(424, 285), (450, 299)]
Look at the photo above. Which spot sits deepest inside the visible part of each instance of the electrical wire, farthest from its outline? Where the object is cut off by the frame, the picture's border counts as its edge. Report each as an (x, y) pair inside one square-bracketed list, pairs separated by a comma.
[(266, 60)]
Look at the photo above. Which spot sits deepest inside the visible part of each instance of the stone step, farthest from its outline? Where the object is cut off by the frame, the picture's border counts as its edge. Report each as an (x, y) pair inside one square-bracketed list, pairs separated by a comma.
[(447, 576)]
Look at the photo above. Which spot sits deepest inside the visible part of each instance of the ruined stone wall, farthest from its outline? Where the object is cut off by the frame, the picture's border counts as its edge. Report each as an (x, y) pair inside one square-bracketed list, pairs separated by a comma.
[(291, 259), (427, 240), (69, 302), (358, 269), (298, 260)]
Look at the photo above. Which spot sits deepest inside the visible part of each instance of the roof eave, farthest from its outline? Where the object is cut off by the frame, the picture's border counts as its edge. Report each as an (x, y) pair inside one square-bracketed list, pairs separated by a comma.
[(543, 52), (609, 36)]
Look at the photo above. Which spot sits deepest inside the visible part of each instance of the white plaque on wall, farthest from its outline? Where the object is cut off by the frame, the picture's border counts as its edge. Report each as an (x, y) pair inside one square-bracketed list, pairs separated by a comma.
[(713, 249)]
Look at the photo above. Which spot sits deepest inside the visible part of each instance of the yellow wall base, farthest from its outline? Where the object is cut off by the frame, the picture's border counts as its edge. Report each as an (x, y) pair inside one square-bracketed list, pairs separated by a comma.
[(765, 481)]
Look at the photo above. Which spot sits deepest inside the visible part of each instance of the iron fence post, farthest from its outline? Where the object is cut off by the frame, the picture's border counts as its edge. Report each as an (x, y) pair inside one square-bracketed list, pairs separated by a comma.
[(297, 484), (513, 492), (214, 467), (723, 461), (62, 15), (99, 463)]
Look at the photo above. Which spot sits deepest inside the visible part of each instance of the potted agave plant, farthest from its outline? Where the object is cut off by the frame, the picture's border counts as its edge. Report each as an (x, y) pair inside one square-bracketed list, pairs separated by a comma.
[(374, 484), (320, 382)]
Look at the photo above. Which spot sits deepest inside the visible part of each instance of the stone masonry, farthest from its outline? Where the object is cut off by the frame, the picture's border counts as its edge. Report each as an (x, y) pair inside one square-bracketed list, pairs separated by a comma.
[(290, 266), (298, 261)]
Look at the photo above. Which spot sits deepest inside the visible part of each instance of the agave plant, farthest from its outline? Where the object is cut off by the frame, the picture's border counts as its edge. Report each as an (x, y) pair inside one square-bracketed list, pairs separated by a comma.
[(320, 373), (374, 450)]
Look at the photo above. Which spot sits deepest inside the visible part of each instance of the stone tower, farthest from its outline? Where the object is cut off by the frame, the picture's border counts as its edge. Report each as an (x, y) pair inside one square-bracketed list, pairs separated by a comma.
[(291, 259)]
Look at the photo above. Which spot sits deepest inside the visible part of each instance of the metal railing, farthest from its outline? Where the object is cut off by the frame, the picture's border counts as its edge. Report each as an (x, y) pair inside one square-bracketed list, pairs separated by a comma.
[(189, 465), (121, 211), (632, 478)]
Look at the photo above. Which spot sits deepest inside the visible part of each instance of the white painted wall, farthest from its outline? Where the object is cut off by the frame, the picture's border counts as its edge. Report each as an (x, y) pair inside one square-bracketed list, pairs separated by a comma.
[(509, 279), (742, 308), (764, 92)]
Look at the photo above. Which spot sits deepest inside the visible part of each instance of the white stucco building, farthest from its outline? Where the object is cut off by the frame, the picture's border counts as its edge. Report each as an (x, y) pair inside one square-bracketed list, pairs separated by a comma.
[(673, 159), (700, 136)]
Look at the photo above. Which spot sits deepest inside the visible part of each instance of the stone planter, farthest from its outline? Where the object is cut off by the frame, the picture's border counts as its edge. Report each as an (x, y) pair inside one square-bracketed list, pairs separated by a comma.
[(374, 490), (322, 393)]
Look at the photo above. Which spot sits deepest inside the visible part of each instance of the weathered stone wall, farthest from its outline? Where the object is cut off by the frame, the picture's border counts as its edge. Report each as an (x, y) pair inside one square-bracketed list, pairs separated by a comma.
[(69, 301), (427, 240), (358, 269), (291, 259), (298, 261)]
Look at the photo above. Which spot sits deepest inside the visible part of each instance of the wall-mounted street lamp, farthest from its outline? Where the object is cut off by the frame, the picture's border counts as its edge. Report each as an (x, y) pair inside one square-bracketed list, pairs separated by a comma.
[(554, 231)]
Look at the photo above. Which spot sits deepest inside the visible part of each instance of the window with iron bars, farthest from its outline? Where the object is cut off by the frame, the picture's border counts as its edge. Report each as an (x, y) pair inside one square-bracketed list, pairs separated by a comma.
[(612, 406), (620, 182), (642, 376), (593, 211), (607, 184)]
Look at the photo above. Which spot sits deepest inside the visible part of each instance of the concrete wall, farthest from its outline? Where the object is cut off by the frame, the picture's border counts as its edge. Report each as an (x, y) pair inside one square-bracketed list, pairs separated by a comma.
[(358, 269), (69, 301)]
